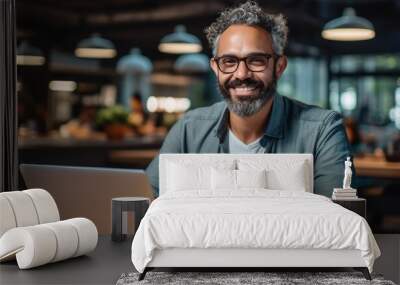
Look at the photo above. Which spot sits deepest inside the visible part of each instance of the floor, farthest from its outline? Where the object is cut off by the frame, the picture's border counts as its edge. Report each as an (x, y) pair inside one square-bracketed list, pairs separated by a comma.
[(111, 259), (103, 266)]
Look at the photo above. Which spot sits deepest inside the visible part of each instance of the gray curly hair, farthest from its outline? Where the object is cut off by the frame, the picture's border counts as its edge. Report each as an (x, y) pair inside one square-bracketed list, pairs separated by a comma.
[(250, 13)]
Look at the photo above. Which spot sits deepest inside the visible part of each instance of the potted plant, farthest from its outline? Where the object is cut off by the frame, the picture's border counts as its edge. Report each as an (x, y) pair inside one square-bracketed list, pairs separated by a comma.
[(114, 121)]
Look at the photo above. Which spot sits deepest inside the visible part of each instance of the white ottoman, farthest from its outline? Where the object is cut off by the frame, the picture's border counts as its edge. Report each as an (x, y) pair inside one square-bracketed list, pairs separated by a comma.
[(31, 232)]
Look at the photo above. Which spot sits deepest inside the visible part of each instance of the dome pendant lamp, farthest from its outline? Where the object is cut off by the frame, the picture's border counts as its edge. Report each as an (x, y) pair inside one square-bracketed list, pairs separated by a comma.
[(348, 27), (29, 55), (180, 42), (95, 47)]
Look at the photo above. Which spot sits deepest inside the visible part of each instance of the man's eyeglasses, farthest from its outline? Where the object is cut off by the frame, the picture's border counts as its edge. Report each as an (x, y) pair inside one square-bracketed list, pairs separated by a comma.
[(254, 62)]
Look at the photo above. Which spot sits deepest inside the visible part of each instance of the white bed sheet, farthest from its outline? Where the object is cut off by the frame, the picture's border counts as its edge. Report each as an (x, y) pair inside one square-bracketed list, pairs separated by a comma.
[(252, 218)]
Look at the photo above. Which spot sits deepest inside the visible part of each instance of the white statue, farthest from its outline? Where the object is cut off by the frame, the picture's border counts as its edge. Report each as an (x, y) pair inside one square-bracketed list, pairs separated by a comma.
[(347, 174)]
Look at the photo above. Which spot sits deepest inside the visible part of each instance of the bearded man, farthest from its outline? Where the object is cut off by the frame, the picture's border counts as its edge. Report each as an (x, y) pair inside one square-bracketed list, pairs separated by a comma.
[(248, 60)]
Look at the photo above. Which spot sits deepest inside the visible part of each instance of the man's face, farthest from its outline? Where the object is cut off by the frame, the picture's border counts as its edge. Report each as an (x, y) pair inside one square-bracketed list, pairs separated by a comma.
[(244, 90)]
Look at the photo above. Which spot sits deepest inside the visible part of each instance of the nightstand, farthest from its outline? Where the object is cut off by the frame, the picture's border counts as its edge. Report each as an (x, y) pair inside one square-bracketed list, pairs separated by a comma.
[(120, 207), (358, 205)]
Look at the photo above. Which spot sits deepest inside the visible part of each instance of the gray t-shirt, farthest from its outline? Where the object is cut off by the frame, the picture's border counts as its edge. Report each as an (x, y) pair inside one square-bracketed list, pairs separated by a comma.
[(237, 146)]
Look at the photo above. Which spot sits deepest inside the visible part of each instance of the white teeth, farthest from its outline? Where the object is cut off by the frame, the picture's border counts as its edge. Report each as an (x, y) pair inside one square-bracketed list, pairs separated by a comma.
[(245, 89)]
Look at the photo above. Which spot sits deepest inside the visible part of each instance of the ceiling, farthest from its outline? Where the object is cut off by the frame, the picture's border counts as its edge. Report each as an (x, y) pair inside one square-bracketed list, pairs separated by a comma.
[(54, 24)]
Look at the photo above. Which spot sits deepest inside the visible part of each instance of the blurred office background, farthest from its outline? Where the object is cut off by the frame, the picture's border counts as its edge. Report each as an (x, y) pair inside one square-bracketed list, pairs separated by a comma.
[(101, 82)]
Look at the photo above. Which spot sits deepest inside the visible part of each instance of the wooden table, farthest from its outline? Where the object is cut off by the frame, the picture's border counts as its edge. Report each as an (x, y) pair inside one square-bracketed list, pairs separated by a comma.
[(134, 158), (374, 166)]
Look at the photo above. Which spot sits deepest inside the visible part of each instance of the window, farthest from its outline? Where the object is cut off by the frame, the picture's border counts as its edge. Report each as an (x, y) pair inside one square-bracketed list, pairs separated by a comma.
[(305, 79)]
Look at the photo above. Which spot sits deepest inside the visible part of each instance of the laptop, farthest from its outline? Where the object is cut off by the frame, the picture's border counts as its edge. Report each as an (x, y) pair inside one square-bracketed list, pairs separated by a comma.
[(87, 191)]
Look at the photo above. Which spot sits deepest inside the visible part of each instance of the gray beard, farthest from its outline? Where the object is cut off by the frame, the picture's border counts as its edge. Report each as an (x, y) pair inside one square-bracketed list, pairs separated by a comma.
[(250, 105)]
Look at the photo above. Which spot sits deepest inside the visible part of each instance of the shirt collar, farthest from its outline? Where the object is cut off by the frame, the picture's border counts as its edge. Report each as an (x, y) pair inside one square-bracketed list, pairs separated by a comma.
[(274, 128)]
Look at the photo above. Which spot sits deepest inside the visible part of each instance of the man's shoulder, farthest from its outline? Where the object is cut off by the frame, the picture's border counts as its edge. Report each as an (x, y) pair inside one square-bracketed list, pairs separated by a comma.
[(311, 113), (210, 113)]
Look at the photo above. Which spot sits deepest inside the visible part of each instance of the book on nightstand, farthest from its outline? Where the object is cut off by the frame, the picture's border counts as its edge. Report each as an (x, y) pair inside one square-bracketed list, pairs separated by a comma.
[(344, 194)]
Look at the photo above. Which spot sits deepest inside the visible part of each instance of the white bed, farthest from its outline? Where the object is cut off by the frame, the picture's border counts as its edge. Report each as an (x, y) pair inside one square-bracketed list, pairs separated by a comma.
[(201, 219)]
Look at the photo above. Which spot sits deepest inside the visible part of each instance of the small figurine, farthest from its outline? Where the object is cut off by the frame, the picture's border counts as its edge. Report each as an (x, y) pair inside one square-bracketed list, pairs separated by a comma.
[(347, 174), (345, 193)]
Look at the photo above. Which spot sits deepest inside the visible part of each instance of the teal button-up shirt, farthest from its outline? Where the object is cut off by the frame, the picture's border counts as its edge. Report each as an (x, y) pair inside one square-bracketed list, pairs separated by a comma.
[(293, 127)]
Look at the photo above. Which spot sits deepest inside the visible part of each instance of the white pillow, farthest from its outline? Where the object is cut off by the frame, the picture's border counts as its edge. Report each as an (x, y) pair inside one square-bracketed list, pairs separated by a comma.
[(251, 178), (236, 179), (184, 175), (223, 179), (293, 180), (289, 175)]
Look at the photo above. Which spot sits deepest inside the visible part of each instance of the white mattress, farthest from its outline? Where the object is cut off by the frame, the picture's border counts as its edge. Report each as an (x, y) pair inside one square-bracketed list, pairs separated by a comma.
[(251, 219)]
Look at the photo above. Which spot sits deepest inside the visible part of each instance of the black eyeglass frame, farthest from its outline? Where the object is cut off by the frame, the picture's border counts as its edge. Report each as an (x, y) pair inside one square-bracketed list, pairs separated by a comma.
[(244, 59)]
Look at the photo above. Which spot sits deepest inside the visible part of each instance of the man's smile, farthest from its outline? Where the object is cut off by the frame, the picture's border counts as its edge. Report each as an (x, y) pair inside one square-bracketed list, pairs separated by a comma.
[(247, 87), (244, 90)]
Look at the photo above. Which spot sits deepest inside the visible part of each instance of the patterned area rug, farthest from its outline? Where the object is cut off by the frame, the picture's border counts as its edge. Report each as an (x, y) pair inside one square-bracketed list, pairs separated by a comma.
[(269, 278)]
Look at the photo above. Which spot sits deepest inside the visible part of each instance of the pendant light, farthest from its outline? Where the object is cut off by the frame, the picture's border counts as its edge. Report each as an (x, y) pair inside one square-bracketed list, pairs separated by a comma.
[(27, 54), (180, 42), (134, 62), (135, 69), (192, 63), (95, 47), (348, 27)]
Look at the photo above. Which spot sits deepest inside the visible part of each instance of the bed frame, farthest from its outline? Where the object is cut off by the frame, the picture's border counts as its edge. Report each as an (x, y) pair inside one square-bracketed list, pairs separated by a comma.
[(242, 259), (250, 258)]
